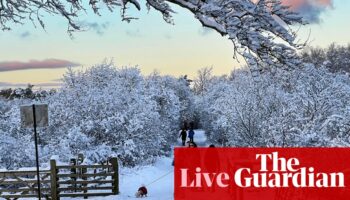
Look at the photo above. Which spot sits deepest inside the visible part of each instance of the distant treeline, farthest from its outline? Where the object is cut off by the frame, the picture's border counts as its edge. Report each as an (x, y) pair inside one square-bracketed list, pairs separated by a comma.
[(25, 93), (335, 57)]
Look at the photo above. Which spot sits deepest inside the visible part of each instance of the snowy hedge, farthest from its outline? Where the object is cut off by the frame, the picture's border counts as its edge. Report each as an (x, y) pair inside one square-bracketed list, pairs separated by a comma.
[(102, 111), (302, 107)]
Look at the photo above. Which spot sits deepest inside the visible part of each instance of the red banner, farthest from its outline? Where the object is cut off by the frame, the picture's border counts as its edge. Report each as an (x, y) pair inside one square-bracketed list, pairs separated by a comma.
[(262, 173)]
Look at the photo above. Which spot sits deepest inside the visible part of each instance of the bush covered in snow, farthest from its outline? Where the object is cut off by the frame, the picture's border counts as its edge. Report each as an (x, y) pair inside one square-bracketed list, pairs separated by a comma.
[(303, 107), (102, 111)]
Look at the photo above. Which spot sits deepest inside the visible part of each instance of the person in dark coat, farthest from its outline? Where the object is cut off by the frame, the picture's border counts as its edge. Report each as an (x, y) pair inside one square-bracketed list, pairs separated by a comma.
[(191, 135), (183, 135)]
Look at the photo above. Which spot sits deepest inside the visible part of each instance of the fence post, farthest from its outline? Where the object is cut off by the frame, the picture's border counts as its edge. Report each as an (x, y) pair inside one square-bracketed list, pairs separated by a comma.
[(85, 185), (73, 162), (54, 193), (115, 184)]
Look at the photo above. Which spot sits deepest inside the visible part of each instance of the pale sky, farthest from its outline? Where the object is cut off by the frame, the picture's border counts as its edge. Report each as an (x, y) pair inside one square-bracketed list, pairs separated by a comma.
[(149, 42)]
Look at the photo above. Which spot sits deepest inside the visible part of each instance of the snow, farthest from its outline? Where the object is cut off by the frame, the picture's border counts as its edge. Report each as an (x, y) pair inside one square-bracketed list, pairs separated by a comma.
[(304, 107), (199, 138), (162, 189), (89, 115), (130, 179)]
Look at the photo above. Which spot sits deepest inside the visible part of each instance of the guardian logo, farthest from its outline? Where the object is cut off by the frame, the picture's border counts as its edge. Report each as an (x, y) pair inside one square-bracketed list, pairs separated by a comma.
[(285, 171)]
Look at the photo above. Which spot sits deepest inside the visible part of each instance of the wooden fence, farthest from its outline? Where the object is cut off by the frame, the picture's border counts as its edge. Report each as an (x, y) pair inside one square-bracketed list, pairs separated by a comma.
[(23, 184), (62, 181)]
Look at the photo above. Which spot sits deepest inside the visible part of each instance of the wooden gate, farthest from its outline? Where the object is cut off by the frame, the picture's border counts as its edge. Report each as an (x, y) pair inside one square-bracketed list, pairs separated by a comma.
[(23, 184), (84, 180), (62, 181)]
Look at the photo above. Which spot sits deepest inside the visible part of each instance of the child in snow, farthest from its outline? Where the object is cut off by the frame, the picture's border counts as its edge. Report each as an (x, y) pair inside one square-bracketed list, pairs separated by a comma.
[(142, 192), (183, 136)]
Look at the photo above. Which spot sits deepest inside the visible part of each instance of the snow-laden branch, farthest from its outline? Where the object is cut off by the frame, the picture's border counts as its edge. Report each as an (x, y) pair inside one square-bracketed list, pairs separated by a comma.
[(259, 30)]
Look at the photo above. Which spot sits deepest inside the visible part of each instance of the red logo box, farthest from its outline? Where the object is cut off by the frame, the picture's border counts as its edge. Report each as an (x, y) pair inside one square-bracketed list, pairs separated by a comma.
[(262, 173)]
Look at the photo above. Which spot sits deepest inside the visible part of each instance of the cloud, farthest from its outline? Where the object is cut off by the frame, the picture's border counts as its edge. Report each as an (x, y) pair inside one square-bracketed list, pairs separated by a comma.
[(25, 34), (309, 9), (23, 85), (9, 85), (99, 28), (36, 64)]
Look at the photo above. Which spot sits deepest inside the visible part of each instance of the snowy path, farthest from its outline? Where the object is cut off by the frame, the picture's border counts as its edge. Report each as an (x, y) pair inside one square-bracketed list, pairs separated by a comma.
[(199, 138), (163, 189)]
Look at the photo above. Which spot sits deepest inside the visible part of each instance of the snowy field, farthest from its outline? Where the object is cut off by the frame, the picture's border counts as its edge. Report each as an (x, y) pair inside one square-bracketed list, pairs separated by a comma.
[(162, 189)]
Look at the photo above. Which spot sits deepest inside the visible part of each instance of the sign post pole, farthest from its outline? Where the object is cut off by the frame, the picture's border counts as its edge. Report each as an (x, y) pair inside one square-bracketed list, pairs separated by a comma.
[(35, 116), (36, 152)]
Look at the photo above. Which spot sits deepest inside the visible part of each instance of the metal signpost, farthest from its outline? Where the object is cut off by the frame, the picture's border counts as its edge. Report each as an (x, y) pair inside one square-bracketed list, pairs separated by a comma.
[(35, 116)]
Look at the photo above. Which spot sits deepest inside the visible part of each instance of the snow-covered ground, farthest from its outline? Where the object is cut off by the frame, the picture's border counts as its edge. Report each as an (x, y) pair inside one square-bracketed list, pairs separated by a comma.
[(161, 172), (131, 180), (199, 138), (162, 189)]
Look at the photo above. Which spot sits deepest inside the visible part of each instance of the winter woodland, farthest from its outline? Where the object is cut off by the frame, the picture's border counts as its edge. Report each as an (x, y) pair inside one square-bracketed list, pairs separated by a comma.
[(116, 111), (280, 98)]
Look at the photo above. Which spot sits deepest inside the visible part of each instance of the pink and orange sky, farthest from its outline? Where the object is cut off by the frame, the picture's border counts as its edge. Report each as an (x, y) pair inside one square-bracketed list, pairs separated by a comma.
[(300, 3), (29, 55)]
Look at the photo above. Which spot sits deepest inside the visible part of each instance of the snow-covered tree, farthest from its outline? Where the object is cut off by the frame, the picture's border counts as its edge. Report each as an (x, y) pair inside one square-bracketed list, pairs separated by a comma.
[(101, 111), (335, 57), (164, 89), (106, 110), (202, 82), (16, 148), (111, 108), (305, 107), (259, 30)]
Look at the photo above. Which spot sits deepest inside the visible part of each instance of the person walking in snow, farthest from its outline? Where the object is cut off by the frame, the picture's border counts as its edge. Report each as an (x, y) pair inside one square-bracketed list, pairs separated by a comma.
[(191, 134), (183, 135)]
